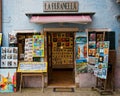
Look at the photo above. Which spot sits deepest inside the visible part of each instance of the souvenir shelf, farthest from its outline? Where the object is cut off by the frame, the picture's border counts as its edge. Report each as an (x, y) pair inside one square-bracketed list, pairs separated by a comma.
[(62, 49), (23, 38)]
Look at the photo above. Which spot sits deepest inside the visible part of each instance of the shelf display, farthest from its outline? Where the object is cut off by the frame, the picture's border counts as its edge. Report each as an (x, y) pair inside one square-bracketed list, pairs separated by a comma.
[(62, 48), (81, 52), (28, 49), (7, 80), (9, 56)]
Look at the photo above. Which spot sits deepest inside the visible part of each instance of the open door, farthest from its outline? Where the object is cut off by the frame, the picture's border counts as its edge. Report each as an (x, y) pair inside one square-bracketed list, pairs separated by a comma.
[(60, 51), (49, 54)]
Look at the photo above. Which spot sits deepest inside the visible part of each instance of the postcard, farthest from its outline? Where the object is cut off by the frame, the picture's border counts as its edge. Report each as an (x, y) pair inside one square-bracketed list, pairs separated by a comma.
[(92, 36), (92, 45)]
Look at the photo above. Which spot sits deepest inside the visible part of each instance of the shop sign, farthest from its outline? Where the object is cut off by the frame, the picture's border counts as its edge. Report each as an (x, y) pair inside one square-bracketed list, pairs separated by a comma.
[(60, 6)]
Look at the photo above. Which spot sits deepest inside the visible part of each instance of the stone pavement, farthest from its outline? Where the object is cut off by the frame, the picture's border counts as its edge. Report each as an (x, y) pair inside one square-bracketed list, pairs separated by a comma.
[(49, 92)]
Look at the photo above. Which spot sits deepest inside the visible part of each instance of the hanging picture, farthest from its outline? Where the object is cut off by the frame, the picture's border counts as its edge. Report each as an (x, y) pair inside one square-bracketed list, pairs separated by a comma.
[(92, 44), (38, 45), (9, 56), (81, 52), (7, 80), (92, 36), (91, 64), (81, 66), (12, 38), (99, 36)]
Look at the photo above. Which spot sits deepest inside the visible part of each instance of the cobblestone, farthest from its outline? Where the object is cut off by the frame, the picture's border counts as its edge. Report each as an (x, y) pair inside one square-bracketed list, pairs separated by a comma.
[(49, 92)]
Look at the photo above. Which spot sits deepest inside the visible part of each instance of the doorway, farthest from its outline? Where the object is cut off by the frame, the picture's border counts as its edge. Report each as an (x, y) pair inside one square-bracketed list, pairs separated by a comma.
[(60, 58)]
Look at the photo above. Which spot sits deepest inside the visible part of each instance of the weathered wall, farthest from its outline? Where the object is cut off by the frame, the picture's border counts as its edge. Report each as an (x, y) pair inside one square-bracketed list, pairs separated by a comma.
[(14, 18)]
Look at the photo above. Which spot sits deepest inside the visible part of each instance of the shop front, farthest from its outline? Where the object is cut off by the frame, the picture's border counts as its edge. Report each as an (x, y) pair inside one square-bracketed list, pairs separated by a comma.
[(60, 43), (61, 53)]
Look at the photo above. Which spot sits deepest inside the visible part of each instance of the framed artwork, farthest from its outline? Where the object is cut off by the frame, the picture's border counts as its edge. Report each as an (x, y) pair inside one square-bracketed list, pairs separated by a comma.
[(92, 36), (92, 44), (12, 38), (9, 56), (99, 36), (81, 66), (8, 80)]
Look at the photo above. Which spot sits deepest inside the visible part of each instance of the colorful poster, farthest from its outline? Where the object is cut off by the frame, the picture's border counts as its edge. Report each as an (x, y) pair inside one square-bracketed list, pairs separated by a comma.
[(81, 52), (38, 45), (9, 56), (7, 80), (102, 65)]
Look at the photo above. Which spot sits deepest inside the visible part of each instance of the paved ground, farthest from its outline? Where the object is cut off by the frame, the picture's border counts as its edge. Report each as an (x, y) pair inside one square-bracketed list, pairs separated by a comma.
[(49, 92)]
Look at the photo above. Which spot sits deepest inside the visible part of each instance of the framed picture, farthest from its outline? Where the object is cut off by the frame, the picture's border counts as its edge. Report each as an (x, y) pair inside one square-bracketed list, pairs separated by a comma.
[(92, 36), (9, 56), (8, 80)]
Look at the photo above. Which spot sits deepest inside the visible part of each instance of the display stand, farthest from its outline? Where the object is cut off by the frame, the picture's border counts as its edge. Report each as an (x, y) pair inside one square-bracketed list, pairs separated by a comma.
[(34, 69), (24, 74), (30, 53), (106, 86)]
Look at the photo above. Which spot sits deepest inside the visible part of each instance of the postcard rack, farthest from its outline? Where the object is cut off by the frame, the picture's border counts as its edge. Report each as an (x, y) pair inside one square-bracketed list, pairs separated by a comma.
[(106, 86), (105, 64)]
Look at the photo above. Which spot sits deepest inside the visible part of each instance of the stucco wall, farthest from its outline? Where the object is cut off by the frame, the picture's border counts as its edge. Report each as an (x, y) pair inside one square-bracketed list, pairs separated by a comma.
[(14, 18)]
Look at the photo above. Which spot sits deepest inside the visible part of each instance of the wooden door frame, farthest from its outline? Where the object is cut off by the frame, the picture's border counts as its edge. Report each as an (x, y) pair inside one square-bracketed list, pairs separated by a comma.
[(45, 30)]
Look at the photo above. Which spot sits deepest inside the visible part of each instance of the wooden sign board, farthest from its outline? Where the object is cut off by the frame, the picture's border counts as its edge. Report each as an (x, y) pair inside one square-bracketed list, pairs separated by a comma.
[(32, 67), (60, 6)]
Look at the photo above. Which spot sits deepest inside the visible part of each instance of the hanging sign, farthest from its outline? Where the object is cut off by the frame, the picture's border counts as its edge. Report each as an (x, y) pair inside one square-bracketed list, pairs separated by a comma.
[(60, 6)]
